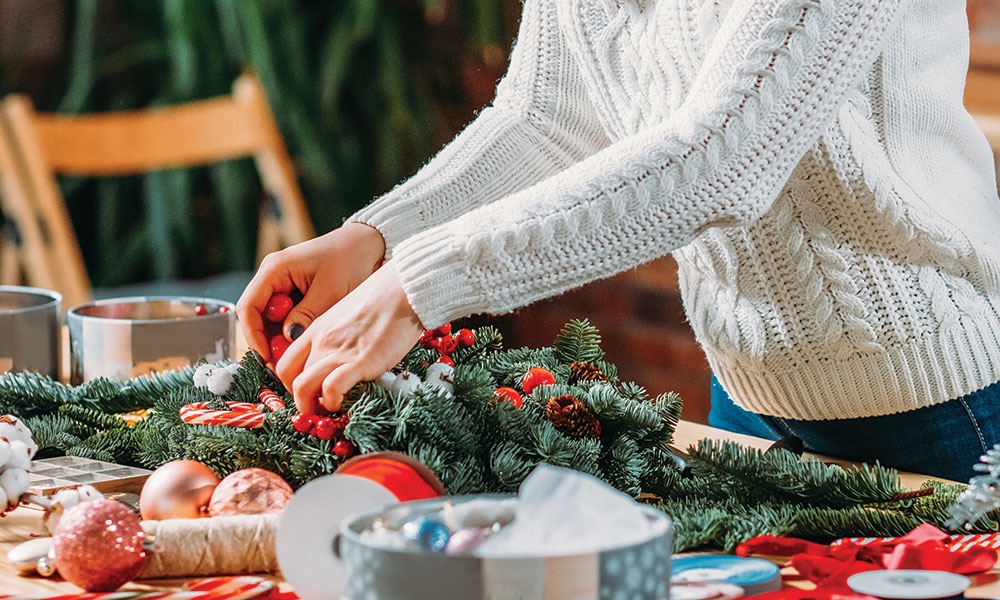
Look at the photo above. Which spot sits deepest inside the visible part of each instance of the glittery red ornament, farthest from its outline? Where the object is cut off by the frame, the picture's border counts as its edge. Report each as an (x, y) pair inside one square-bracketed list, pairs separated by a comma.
[(98, 545), (249, 492)]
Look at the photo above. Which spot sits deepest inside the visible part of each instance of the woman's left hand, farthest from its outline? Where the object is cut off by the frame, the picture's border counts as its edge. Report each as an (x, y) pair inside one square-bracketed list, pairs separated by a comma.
[(358, 339)]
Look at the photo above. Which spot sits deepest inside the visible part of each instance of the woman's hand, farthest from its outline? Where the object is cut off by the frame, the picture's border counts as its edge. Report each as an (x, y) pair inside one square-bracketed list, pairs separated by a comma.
[(361, 337), (324, 270)]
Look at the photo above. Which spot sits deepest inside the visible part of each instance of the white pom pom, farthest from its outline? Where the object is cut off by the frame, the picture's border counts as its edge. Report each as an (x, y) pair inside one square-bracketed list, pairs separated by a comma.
[(14, 482), (20, 456), (202, 373), (405, 383), (439, 375), (385, 380), (219, 381), (4, 453)]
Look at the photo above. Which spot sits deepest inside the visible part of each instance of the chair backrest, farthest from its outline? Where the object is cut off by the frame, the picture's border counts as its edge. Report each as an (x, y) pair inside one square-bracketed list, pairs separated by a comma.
[(131, 142)]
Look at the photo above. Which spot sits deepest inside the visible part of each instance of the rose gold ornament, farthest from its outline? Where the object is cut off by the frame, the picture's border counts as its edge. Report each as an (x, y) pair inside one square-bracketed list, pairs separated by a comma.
[(180, 489), (98, 545), (250, 491)]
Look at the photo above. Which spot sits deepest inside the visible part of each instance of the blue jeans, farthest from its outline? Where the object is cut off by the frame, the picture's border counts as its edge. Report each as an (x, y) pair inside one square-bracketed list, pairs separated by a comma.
[(945, 440)]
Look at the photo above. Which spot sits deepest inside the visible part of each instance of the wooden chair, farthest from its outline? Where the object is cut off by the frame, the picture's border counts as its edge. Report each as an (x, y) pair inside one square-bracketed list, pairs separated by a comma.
[(198, 133)]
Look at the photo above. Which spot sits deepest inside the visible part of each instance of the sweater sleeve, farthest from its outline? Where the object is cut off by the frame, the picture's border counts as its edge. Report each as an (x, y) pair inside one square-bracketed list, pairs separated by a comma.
[(539, 123), (773, 80)]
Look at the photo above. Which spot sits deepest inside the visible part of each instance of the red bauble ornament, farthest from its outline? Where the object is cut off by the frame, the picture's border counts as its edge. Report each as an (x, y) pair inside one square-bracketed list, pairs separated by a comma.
[(200, 310), (98, 545), (249, 492), (180, 489), (508, 394), (278, 307), (535, 377)]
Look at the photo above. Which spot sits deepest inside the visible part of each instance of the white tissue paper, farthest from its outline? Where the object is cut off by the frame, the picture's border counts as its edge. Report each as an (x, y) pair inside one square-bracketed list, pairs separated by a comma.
[(561, 511)]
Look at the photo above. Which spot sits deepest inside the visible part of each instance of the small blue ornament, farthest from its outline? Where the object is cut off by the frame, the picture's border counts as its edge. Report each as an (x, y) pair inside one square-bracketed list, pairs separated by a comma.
[(426, 533)]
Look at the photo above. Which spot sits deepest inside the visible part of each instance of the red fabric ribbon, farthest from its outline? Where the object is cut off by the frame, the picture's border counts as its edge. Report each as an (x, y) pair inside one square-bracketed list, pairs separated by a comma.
[(925, 547)]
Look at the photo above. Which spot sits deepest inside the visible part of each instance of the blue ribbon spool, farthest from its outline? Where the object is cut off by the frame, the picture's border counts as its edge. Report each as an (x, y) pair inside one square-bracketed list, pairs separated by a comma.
[(754, 575)]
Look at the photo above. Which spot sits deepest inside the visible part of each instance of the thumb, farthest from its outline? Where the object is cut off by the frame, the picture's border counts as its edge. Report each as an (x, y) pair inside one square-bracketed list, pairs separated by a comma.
[(303, 314)]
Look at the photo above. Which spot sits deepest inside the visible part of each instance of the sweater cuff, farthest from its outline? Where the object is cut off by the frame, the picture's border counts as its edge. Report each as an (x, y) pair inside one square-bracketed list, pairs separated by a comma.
[(395, 220), (436, 279)]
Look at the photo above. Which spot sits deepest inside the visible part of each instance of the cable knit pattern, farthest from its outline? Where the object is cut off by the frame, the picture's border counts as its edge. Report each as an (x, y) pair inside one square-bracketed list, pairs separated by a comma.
[(808, 162)]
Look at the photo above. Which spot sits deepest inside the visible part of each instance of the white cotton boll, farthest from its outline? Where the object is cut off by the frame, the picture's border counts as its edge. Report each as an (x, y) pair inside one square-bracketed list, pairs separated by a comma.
[(439, 375), (14, 482), (4, 453), (219, 382), (66, 499), (3, 501), (233, 367), (385, 380), (405, 383), (20, 456), (202, 374)]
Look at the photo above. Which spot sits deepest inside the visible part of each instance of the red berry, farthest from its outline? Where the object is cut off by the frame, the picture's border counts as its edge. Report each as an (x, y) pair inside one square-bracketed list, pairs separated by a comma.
[(223, 310), (446, 360), (304, 423), (465, 338), (443, 330), (535, 377), (325, 429), (278, 307), (343, 448), (200, 310), (278, 346), (508, 394)]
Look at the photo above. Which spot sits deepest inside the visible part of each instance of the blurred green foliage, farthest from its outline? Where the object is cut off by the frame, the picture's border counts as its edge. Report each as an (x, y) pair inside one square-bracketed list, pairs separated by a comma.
[(364, 92)]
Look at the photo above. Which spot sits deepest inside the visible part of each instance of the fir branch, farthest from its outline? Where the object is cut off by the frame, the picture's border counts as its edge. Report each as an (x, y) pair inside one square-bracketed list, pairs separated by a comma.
[(578, 341), (804, 480)]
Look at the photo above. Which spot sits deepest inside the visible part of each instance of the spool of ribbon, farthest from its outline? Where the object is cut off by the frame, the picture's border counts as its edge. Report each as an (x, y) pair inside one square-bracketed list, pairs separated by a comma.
[(311, 521)]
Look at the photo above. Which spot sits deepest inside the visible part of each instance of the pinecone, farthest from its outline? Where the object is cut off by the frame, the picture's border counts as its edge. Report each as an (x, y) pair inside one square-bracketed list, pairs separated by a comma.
[(572, 417), (584, 371)]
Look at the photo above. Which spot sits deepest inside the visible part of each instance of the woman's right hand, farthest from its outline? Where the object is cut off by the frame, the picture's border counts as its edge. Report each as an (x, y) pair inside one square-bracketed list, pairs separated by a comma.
[(323, 269)]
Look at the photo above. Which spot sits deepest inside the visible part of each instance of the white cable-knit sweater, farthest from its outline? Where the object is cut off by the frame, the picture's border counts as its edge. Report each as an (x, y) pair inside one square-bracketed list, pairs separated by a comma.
[(809, 163)]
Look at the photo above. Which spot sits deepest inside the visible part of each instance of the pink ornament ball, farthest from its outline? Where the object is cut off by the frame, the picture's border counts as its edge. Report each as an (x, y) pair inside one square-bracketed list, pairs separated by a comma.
[(250, 491), (98, 545)]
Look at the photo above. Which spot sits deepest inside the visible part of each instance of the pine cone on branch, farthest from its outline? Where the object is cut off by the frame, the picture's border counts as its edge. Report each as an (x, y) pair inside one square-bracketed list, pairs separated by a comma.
[(584, 371), (572, 417)]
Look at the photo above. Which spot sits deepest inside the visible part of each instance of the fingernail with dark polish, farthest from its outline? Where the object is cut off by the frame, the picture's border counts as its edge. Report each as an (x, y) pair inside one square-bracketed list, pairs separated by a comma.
[(295, 331)]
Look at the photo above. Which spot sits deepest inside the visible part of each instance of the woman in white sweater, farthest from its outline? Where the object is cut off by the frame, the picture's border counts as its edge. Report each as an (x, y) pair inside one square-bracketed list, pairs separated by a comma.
[(809, 163)]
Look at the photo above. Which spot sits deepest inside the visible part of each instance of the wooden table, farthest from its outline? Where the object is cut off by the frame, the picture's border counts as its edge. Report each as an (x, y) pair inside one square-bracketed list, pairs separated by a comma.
[(22, 523)]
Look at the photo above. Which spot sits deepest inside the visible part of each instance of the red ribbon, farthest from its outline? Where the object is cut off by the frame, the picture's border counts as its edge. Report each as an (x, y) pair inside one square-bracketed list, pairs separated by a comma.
[(925, 547)]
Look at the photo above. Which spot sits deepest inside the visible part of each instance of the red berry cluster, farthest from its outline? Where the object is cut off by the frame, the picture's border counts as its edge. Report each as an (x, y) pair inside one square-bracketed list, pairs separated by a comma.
[(442, 340), (278, 307), (327, 428), (532, 378)]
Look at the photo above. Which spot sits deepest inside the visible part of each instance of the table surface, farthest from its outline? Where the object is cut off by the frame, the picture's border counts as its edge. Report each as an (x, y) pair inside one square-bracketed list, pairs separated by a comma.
[(23, 523)]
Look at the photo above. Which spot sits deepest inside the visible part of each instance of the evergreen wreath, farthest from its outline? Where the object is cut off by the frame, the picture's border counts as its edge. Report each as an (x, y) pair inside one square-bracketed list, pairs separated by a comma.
[(717, 493)]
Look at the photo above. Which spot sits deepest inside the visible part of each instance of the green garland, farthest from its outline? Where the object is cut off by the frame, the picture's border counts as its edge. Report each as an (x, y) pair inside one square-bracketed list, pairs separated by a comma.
[(476, 444)]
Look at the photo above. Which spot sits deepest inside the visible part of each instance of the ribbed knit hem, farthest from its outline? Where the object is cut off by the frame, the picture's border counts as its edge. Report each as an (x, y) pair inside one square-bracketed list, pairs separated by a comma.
[(922, 373), (433, 276), (395, 221)]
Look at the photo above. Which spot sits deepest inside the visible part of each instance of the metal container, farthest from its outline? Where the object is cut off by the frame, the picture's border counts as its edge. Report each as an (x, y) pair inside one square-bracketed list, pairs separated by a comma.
[(126, 337), (30, 330), (639, 571)]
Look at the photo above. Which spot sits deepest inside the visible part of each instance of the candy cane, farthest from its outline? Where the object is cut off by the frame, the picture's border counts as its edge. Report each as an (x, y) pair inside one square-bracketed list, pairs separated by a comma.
[(270, 399), (242, 415)]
